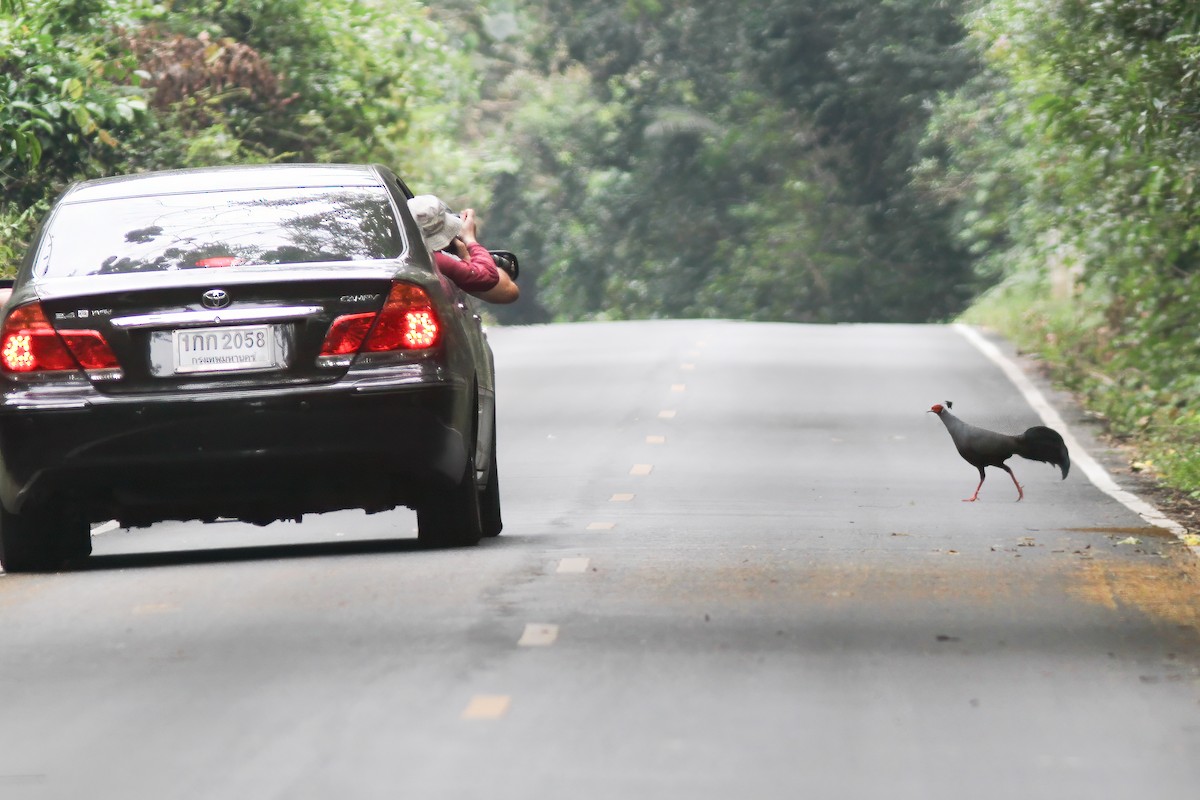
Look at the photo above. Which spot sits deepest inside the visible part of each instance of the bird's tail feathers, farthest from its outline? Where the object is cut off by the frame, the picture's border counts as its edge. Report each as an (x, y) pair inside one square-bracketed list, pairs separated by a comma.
[(1040, 443)]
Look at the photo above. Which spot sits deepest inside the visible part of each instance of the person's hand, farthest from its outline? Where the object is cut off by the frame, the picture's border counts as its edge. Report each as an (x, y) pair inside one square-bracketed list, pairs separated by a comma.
[(467, 234), (460, 248)]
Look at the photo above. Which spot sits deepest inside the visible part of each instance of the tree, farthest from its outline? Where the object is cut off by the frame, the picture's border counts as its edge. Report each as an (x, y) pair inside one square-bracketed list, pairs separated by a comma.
[(1079, 148), (732, 121), (99, 87)]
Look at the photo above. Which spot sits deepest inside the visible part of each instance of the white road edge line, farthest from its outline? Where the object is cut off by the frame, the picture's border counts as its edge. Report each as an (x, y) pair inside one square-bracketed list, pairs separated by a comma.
[(1095, 473), (105, 527)]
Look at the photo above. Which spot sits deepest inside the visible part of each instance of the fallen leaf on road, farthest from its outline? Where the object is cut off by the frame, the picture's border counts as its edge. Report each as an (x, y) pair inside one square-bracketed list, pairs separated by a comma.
[(1130, 540)]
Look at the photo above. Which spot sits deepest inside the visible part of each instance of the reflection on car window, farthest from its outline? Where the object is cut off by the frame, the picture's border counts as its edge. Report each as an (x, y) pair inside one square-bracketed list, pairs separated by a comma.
[(220, 229)]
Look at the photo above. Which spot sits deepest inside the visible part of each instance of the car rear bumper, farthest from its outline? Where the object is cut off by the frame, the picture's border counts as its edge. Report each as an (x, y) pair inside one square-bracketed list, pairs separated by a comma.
[(256, 456)]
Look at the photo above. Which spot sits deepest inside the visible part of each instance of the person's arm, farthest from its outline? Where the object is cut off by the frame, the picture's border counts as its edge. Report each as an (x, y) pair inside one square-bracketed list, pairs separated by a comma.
[(505, 289), (472, 272)]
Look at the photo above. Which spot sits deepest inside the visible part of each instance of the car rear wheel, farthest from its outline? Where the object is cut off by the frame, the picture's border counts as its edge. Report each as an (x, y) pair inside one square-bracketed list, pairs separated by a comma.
[(450, 518), (489, 495), (42, 538)]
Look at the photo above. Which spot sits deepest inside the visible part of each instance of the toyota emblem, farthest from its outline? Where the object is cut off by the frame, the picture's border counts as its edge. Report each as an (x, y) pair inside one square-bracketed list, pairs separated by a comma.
[(215, 298)]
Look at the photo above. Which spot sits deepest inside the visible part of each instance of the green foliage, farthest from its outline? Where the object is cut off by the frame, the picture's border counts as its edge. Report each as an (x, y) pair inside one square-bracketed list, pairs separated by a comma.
[(99, 87), (1074, 170), (758, 166), (64, 101), (563, 265), (362, 80), (646, 158), (67, 102), (1145, 389), (15, 227)]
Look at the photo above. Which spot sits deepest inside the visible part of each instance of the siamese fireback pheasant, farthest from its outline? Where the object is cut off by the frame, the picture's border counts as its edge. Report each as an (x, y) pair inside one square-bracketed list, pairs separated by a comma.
[(983, 448)]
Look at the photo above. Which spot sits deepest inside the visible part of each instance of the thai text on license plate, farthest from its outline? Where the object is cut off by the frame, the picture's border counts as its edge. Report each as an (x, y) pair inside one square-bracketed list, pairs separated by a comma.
[(224, 349)]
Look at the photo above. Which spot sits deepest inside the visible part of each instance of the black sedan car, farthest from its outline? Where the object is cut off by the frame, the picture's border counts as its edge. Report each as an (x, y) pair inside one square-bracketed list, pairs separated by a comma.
[(252, 343)]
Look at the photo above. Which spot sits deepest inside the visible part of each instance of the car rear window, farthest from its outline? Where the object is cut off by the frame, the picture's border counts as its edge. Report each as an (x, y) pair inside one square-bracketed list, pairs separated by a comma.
[(219, 229)]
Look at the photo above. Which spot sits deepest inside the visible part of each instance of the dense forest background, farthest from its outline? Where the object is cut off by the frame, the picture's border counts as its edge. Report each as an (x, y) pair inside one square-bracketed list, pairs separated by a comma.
[(1032, 164)]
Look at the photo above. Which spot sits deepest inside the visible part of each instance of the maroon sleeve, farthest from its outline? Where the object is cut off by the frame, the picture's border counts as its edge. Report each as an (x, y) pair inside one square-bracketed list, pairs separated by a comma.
[(476, 274)]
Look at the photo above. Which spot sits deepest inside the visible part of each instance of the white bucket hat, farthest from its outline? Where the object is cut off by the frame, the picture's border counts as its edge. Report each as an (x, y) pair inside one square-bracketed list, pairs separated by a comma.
[(439, 225)]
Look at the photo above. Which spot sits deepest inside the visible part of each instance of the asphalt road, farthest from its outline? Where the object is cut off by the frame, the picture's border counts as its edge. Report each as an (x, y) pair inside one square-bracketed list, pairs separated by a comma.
[(736, 564)]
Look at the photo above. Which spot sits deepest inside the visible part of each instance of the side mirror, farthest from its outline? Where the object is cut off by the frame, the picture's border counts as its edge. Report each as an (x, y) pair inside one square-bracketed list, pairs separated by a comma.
[(507, 261)]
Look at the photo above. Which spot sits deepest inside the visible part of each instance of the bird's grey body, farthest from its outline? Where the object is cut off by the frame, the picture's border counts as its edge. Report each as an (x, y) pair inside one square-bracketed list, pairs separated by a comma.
[(981, 447)]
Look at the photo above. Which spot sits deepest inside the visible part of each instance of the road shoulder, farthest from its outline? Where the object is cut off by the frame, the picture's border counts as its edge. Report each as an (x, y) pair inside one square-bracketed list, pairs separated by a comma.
[(1092, 432)]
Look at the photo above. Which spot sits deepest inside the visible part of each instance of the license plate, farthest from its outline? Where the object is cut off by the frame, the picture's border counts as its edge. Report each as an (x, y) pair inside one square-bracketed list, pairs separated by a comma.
[(224, 349)]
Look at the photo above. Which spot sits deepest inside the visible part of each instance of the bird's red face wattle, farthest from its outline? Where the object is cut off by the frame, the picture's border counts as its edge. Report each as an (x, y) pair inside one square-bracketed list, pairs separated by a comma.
[(937, 408)]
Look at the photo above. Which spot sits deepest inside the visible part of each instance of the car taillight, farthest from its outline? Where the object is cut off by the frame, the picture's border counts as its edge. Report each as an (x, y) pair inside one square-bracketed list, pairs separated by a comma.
[(407, 321), (90, 349), (30, 344), (346, 334)]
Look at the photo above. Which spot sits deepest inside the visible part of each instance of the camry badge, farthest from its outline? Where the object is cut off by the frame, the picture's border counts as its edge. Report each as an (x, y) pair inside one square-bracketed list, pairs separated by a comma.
[(215, 298)]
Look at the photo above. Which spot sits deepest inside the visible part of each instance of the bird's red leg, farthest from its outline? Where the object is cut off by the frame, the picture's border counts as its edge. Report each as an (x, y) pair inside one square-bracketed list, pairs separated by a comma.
[(975, 496), (1020, 491)]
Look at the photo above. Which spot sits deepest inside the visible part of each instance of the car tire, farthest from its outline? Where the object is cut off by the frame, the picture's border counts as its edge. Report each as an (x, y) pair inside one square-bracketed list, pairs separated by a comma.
[(42, 539), (489, 495), (451, 518)]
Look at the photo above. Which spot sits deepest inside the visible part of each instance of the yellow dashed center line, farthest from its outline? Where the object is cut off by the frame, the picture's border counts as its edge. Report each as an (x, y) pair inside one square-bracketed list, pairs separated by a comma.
[(666, 414), (621, 497), (155, 608), (678, 387), (573, 565), (656, 440), (687, 367), (601, 526), (487, 706), (641, 469), (538, 634)]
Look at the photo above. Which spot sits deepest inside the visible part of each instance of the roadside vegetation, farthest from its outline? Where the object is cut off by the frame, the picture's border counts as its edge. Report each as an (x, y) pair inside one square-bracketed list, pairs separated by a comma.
[(98, 87), (1030, 166), (1075, 175)]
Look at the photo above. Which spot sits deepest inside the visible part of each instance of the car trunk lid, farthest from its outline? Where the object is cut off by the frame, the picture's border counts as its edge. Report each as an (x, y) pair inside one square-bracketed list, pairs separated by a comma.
[(249, 330)]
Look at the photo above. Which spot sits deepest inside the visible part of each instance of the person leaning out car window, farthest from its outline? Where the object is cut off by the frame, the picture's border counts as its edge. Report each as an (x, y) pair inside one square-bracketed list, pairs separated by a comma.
[(458, 254)]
